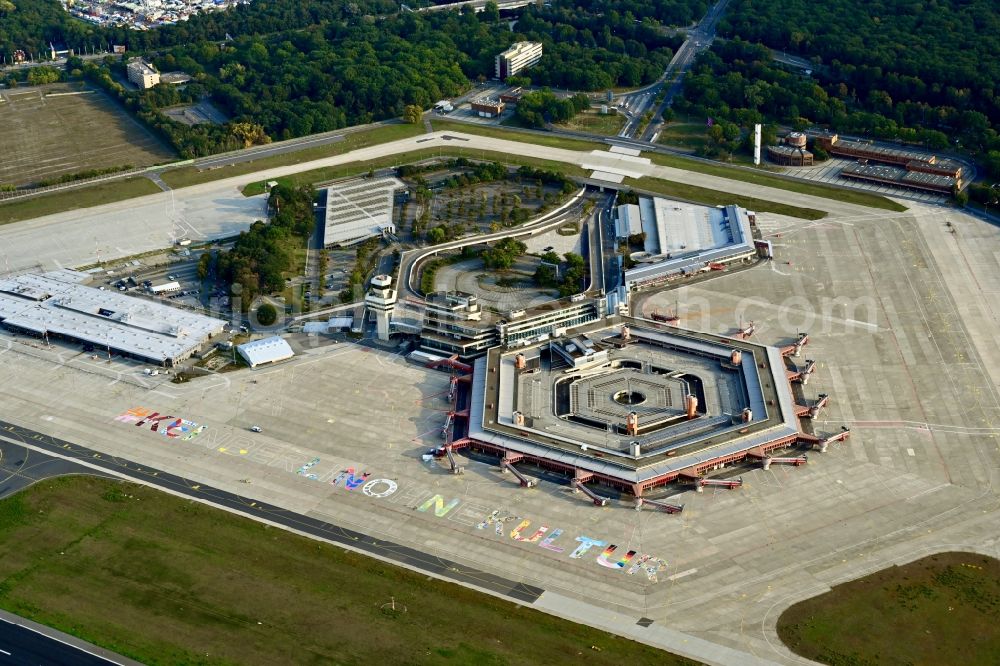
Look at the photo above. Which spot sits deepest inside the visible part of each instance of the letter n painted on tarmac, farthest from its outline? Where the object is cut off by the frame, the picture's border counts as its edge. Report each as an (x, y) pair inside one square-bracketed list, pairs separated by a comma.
[(604, 558), (440, 508), (586, 543), (515, 533)]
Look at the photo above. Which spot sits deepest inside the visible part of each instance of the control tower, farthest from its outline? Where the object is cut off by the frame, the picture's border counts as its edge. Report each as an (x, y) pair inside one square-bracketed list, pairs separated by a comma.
[(381, 300)]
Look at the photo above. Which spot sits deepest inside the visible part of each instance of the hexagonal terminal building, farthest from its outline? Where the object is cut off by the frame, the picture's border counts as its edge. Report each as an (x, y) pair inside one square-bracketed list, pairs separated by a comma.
[(632, 404)]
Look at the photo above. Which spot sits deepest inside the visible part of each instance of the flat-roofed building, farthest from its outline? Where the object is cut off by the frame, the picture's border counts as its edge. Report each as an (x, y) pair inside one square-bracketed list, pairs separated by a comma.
[(265, 350), (488, 107), (59, 305), (682, 239), (142, 74), (518, 57), (358, 209)]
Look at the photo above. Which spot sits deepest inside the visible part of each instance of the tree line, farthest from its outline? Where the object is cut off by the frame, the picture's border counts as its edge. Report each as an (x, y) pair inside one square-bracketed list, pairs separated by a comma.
[(895, 69)]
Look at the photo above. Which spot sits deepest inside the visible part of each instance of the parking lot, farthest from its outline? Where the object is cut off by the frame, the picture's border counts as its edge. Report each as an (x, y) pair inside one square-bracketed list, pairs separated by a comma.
[(828, 172)]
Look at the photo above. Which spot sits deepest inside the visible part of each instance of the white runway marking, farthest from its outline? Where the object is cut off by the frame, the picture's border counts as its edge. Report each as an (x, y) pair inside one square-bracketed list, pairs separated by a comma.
[(682, 574)]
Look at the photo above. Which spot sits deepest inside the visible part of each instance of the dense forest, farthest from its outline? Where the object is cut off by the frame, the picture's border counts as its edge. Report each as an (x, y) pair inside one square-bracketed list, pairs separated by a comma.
[(897, 66), (339, 63)]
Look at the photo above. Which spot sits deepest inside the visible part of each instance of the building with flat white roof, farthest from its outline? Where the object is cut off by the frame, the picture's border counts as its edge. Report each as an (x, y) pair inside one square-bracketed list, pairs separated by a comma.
[(518, 57), (60, 305), (142, 74), (266, 350), (682, 239), (358, 209)]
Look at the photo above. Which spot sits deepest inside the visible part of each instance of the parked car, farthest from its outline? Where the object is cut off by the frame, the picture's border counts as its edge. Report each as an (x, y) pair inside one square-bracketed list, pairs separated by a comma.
[(256, 428)]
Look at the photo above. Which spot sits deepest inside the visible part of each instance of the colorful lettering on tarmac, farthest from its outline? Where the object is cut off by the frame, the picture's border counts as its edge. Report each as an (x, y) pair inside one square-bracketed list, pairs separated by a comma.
[(631, 563)]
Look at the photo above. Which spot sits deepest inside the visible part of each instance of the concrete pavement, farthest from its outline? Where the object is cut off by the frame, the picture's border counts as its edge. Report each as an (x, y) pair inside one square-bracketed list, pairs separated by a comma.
[(218, 209)]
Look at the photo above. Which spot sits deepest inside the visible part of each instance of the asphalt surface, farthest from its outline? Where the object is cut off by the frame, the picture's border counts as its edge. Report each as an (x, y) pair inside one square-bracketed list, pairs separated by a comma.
[(20, 644), (21, 467), (256, 510)]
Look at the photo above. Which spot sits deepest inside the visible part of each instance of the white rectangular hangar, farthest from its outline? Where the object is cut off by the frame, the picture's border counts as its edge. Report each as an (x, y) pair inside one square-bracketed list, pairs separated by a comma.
[(266, 350), (60, 305), (358, 209), (681, 239)]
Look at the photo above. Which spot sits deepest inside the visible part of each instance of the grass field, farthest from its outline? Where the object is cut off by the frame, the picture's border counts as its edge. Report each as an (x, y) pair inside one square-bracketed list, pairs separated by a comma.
[(168, 581), (553, 141), (688, 164), (685, 135), (609, 124), (184, 176), (716, 198), (758, 177), (47, 133), (942, 609), (82, 197)]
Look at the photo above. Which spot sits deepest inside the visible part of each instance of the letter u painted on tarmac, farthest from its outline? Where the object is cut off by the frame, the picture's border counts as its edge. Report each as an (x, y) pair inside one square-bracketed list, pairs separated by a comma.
[(604, 559), (515, 533)]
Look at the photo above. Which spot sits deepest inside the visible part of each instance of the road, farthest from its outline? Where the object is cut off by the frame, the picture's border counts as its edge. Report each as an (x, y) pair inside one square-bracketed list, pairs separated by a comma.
[(699, 39), (28, 643), (551, 220)]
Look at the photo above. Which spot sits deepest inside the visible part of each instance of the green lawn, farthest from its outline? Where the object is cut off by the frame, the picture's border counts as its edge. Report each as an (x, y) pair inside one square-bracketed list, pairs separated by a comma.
[(81, 197), (513, 134), (608, 124), (716, 198), (942, 609), (165, 580), (760, 177), (689, 136), (185, 176)]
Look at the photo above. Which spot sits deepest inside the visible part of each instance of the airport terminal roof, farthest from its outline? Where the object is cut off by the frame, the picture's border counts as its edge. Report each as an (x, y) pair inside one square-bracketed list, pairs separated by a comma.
[(687, 237), (265, 350), (57, 303)]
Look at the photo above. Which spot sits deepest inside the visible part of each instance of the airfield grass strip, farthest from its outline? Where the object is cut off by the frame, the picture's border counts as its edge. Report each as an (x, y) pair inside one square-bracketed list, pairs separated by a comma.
[(166, 580), (926, 612), (704, 195), (325, 174), (72, 199), (190, 175), (765, 179), (514, 134)]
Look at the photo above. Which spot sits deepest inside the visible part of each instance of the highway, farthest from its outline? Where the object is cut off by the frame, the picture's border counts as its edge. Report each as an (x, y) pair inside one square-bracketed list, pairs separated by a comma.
[(638, 102)]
